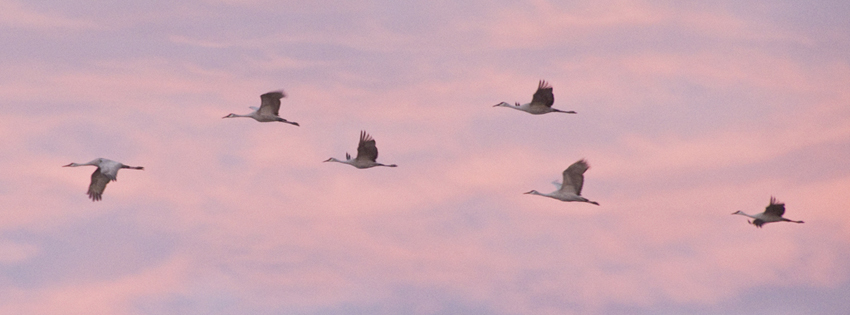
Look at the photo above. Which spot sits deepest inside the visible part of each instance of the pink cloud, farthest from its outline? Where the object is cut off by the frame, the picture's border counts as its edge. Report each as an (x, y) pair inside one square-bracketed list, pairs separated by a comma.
[(259, 216), (114, 296), (17, 15)]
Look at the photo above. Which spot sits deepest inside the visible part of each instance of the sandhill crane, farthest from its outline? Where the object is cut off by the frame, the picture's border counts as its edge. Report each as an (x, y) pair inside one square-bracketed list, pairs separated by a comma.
[(269, 108), (570, 189), (367, 153), (772, 213), (107, 170), (541, 103)]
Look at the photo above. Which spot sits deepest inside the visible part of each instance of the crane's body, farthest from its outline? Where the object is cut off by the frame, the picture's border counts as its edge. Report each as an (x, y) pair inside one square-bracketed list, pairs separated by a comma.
[(107, 170), (269, 109), (367, 154), (541, 102), (570, 188), (772, 213)]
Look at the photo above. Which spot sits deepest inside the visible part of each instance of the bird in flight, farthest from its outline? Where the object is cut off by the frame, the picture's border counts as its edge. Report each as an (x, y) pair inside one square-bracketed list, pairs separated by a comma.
[(570, 188), (269, 109), (772, 213), (107, 170), (367, 153), (541, 103)]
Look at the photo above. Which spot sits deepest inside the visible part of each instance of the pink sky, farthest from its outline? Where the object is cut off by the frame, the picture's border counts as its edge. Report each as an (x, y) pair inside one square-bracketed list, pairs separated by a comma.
[(686, 113)]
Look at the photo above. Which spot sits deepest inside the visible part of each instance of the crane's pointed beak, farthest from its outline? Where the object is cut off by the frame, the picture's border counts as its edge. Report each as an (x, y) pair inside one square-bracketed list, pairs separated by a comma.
[(526, 193), (328, 160), (69, 164)]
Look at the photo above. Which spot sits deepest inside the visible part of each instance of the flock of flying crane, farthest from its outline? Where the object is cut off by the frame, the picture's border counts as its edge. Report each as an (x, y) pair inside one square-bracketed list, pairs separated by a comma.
[(367, 154)]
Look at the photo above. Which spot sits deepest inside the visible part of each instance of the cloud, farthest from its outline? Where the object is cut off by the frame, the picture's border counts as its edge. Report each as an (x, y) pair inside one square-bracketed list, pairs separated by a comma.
[(112, 296), (14, 252), (235, 216), (14, 14)]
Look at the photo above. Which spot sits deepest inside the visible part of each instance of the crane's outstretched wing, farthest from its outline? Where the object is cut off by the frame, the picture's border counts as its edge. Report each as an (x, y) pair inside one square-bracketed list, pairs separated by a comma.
[(98, 184), (544, 95), (574, 177), (557, 184), (367, 149), (775, 208), (270, 104)]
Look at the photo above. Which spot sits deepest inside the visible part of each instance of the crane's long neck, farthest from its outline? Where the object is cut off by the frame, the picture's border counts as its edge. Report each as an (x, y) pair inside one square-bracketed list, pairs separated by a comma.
[(231, 115), (349, 161), (534, 192), (744, 214), (94, 163), (517, 106)]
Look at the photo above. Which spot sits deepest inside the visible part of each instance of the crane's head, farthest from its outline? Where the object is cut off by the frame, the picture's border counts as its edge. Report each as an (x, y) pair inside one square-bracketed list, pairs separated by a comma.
[(502, 104), (738, 212), (231, 115), (533, 192), (331, 160)]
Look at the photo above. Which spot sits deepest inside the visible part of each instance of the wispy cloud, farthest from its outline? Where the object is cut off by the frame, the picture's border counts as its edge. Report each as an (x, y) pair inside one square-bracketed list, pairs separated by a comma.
[(686, 114), (17, 15)]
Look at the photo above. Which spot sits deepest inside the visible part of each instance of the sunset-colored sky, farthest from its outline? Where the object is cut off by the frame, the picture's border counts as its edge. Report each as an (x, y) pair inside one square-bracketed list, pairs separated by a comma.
[(687, 112)]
